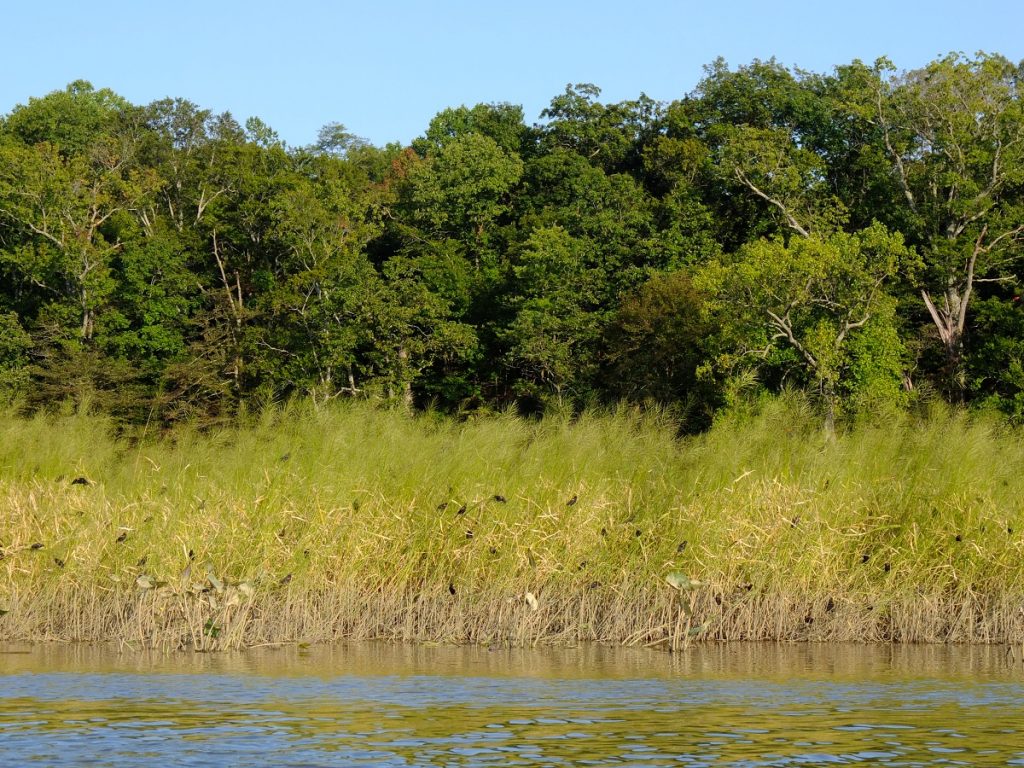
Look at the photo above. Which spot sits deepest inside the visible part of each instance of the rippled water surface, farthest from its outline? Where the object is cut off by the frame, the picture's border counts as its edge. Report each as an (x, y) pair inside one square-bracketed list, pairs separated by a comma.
[(369, 704)]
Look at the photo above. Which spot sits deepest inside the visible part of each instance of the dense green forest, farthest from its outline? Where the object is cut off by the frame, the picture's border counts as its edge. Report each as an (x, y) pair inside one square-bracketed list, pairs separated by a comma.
[(855, 234)]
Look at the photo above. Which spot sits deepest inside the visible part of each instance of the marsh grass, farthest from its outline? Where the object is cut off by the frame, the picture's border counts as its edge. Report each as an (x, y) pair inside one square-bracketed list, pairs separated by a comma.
[(351, 522)]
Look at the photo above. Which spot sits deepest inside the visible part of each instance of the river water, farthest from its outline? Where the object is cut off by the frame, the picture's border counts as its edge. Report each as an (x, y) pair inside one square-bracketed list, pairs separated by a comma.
[(387, 705)]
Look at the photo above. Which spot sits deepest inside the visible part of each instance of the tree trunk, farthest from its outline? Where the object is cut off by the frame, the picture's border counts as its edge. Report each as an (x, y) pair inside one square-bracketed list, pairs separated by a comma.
[(829, 394), (949, 320), (403, 364)]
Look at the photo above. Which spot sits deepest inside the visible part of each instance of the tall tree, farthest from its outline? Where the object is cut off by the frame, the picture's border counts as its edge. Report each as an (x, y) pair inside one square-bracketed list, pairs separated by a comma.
[(70, 211), (954, 136), (803, 304)]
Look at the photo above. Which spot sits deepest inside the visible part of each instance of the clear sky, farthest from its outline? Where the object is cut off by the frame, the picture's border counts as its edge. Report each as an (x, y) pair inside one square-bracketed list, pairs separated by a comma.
[(385, 68)]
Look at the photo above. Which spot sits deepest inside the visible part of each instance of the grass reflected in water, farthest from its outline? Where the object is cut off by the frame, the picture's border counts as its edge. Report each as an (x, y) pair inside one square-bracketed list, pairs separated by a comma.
[(396, 706)]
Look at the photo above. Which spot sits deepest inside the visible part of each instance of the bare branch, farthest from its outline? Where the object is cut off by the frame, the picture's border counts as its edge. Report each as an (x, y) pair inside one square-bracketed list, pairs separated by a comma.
[(961, 319), (897, 158), (849, 326), (790, 219), (786, 332), (944, 332)]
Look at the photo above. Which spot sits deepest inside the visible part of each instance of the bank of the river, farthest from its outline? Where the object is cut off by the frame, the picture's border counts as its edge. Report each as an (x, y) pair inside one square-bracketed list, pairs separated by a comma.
[(355, 523)]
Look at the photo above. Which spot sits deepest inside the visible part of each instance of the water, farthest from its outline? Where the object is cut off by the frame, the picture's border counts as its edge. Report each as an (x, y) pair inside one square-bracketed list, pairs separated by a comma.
[(383, 705)]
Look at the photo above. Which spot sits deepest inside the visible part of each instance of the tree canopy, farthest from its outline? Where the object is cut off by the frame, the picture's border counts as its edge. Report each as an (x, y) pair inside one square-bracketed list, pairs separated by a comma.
[(858, 233)]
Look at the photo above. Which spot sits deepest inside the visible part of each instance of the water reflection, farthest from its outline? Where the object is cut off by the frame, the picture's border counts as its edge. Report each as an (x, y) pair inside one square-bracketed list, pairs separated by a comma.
[(372, 704)]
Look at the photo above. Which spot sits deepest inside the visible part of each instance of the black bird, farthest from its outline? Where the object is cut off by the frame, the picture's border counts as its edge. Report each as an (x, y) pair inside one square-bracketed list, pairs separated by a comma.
[(462, 510), (285, 580), (451, 588), (81, 481), (682, 547), (122, 538), (37, 545), (442, 506), (499, 498), (59, 562), (572, 501)]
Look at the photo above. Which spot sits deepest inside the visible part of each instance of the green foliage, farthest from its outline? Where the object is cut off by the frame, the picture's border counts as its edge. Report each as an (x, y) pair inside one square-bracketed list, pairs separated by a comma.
[(71, 120), (14, 348), (802, 304), (464, 187), (856, 234), (657, 342), (550, 340), (502, 123), (953, 134), (611, 136), (995, 359)]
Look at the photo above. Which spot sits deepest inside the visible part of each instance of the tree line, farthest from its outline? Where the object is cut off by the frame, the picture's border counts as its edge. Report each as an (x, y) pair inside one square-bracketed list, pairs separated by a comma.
[(856, 234)]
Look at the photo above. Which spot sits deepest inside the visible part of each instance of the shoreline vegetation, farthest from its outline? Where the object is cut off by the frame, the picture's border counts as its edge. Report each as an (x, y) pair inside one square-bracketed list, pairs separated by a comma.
[(314, 524), (742, 365)]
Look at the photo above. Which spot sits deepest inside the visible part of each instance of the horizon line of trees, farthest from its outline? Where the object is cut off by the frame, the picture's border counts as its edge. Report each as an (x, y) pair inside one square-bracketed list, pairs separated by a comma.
[(856, 234)]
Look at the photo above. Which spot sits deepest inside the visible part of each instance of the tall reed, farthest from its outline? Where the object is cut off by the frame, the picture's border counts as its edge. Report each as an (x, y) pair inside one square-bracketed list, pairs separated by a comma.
[(312, 524)]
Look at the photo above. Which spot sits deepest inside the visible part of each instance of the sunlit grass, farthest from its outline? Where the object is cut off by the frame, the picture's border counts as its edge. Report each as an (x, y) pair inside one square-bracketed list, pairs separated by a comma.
[(351, 521)]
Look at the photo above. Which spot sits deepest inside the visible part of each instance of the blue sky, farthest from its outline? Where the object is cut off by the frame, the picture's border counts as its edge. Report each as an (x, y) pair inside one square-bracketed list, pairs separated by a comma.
[(384, 69)]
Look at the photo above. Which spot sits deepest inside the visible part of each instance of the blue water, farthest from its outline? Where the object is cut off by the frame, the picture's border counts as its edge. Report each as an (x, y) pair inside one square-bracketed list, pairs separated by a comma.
[(396, 706)]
